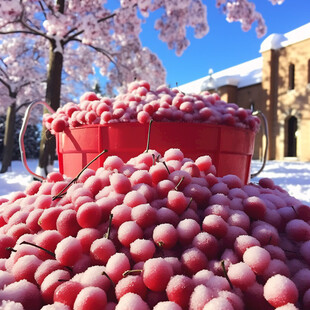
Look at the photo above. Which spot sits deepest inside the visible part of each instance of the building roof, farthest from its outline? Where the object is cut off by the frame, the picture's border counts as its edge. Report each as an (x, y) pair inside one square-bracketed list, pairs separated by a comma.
[(249, 72), (276, 41)]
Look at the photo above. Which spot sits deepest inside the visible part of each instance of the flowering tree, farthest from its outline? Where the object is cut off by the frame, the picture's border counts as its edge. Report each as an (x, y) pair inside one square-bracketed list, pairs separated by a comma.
[(94, 32), (21, 79), (244, 11)]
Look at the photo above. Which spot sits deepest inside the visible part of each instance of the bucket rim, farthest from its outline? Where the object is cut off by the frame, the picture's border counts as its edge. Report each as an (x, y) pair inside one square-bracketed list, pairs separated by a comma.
[(194, 124)]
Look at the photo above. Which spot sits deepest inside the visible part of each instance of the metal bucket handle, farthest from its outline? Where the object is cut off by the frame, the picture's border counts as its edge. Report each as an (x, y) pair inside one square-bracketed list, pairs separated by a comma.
[(22, 134), (265, 126)]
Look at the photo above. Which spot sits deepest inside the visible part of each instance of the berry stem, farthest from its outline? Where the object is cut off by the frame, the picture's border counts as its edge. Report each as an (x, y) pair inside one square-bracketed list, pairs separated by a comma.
[(177, 86), (39, 247), (179, 183), (226, 275), (161, 244), (166, 167), (105, 274), (128, 272), (189, 203), (10, 249), (155, 159), (107, 234), (148, 137), (59, 195), (45, 250), (294, 209)]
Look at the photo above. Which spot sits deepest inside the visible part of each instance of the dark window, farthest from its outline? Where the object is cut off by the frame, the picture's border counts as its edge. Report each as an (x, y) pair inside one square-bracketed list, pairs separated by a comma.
[(291, 76), (291, 136)]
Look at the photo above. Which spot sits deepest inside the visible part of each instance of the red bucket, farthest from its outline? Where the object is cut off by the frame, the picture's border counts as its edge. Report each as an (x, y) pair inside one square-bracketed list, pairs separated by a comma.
[(230, 148)]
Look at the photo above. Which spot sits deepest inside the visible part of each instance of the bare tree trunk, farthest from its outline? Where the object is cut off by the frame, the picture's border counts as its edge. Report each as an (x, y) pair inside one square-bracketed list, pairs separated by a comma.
[(53, 91), (8, 137)]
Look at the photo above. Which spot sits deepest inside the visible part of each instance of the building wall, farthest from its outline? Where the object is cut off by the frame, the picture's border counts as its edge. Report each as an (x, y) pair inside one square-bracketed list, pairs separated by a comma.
[(279, 103), (279, 87), (296, 101), (254, 97), (229, 93)]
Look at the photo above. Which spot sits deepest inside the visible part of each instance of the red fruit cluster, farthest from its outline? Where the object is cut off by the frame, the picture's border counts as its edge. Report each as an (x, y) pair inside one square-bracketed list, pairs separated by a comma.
[(154, 233), (141, 104)]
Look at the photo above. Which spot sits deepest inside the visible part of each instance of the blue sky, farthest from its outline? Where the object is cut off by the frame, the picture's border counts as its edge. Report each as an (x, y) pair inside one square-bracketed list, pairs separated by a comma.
[(226, 44)]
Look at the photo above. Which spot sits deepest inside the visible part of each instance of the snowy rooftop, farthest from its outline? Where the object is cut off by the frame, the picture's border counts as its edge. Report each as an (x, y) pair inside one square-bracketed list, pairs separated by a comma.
[(276, 41), (247, 73), (250, 72)]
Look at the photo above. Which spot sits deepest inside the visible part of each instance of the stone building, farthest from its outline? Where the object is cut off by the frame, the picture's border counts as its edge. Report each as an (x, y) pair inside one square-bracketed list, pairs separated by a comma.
[(278, 84)]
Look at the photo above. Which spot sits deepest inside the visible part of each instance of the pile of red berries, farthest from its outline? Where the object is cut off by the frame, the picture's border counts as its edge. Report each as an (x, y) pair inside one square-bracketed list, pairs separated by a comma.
[(141, 104), (154, 233)]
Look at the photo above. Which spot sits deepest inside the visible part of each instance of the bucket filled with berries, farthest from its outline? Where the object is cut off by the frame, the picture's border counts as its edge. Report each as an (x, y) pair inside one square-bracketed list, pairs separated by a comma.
[(198, 124)]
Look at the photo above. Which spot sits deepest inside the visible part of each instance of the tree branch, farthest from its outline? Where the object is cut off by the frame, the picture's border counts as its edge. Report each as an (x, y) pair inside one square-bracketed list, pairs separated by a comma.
[(26, 84), (5, 65), (17, 31), (33, 25), (61, 4), (100, 50), (29, 29), (4, 73), (107, 54), (103, 19), (7, 85), (32, 30), (75, 35), (42, 8), (25, 104)]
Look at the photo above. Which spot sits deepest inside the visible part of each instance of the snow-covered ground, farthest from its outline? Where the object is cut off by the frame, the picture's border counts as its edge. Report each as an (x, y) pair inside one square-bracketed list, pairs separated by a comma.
[(294, 177)]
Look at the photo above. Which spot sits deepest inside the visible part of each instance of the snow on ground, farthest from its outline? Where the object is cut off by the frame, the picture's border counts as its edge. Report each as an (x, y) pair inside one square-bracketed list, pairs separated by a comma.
[(18, 178), (294, 177)]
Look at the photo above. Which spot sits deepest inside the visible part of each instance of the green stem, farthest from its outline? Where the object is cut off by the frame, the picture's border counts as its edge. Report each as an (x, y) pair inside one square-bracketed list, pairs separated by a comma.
[(105, 274), (189, 203), (148, 137), (294, 209), (10, 249), (226, 275), (39, 247), (128, 272), (45, 250), (166, 167), (179, 183), (161, 244), (59, 195), (107, 234)]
